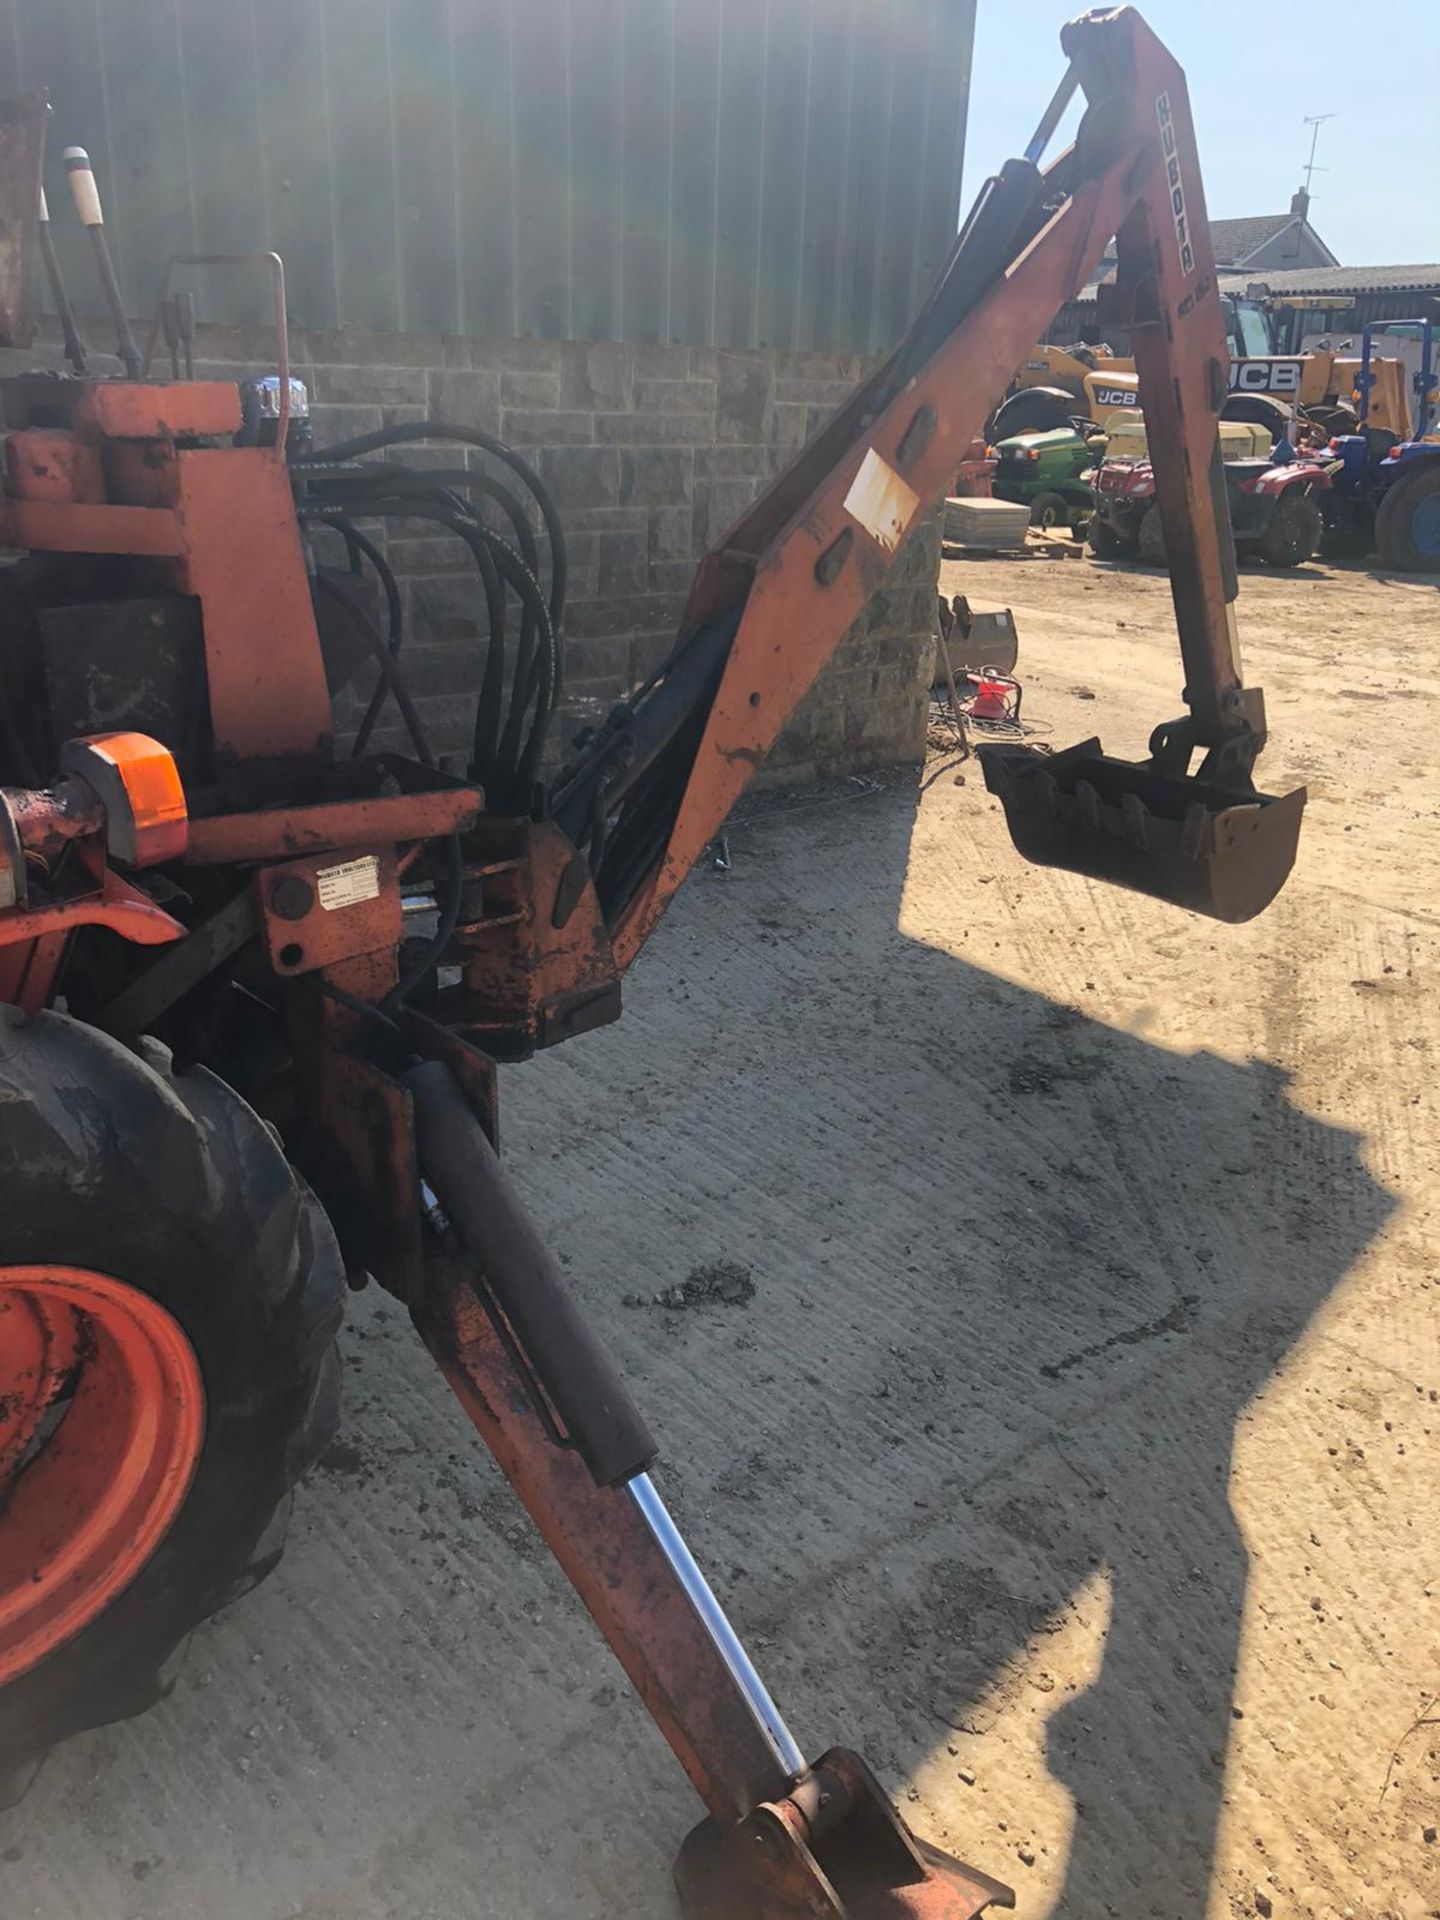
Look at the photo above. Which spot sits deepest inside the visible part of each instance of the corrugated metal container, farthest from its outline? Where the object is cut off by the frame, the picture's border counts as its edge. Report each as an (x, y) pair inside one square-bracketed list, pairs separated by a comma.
[(781, 173)]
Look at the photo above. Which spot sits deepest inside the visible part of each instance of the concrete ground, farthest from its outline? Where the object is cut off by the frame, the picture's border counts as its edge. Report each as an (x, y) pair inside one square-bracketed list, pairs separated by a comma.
[(1075, 1457)]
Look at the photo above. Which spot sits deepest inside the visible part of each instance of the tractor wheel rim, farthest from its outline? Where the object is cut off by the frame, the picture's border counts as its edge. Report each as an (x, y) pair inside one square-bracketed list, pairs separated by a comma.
[(102, 1417)]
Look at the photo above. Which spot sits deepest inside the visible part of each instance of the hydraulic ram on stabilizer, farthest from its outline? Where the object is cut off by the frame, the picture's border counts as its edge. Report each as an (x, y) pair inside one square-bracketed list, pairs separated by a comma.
[(522, 1277)]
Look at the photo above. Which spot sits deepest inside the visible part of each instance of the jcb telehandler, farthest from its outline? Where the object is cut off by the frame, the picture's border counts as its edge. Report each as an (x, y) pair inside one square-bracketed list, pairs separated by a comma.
[(1330, 390), (226, 1075)]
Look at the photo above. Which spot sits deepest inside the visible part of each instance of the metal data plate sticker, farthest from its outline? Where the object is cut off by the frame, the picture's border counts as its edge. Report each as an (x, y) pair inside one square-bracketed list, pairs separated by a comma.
[(349, 883), (880, 500)]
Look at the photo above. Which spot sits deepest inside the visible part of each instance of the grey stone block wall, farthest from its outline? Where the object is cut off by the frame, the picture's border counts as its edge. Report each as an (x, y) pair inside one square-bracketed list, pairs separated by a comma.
[(650, 452)]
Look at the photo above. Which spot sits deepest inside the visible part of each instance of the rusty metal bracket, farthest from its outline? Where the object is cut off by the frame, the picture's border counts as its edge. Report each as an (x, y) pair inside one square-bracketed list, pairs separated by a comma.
[(834, 1849), (275, 832), (326, 908), (536, 965)]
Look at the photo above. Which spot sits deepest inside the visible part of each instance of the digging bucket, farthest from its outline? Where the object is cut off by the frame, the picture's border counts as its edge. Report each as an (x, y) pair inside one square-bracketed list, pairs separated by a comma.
[(1216, 850)]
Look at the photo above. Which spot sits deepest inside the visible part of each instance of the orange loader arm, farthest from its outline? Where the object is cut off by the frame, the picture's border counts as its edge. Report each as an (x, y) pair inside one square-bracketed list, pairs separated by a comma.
[(772, 600)]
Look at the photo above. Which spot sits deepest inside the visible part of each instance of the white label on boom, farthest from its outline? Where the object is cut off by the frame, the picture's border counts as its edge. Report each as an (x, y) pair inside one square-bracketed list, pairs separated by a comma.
[(880, 500)]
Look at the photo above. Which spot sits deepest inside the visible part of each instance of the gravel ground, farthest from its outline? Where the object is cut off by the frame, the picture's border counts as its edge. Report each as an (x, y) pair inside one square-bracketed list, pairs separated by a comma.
[(1033, 1289)]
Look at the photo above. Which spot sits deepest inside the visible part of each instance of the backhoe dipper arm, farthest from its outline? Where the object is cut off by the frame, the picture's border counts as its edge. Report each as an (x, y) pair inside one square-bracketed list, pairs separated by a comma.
[(773, 599)]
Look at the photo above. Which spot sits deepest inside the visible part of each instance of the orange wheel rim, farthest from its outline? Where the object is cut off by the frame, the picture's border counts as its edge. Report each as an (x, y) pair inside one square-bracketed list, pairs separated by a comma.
[(102, 1416)]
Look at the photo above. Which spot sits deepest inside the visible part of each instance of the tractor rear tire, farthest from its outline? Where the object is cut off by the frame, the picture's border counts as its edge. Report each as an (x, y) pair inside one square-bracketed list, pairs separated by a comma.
[(1031, 410), (1294, 532), (1152, 538), (1407, 527), (1332, 420), (1259, 410), (170, 1200)]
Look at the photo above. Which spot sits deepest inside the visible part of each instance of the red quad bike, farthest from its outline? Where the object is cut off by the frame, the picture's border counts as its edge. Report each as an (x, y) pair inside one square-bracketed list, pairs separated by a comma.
[(1274, 510)]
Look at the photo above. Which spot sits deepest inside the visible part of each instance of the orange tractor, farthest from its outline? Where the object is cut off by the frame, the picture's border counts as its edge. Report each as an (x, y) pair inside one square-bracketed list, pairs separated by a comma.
[(229, 1076)]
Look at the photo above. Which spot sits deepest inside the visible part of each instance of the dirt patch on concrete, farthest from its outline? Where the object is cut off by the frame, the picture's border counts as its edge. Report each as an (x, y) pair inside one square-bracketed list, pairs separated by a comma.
[(714, 1283)]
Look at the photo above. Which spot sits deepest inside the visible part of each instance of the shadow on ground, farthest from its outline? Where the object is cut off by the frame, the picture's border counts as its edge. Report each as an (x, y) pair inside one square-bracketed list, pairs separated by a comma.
[(1089, 1254), (1017, 1276)]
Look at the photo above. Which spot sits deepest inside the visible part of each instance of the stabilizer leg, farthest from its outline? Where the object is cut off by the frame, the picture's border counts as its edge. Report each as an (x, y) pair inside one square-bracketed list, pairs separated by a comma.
[(782, 1838)]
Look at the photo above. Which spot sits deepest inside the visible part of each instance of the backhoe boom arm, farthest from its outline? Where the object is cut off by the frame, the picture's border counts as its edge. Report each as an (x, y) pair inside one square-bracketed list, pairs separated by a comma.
[(772, 600)]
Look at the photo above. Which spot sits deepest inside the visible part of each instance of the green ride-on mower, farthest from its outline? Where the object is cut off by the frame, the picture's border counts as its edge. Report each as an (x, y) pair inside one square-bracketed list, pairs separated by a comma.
[(1050, 472)]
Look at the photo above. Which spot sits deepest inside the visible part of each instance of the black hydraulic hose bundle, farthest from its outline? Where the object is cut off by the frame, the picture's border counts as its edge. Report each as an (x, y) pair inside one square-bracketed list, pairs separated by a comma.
[(390, 680), (470, 437), (356, 546), (337, 487)]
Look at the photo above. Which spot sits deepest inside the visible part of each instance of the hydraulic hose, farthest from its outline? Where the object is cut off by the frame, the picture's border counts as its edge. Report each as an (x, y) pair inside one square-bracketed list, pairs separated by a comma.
[(357, 544), (412, 431), (389, 671)]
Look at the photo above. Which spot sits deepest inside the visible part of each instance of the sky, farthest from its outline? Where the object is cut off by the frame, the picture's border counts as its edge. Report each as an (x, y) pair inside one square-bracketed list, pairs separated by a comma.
[(1255, 69)]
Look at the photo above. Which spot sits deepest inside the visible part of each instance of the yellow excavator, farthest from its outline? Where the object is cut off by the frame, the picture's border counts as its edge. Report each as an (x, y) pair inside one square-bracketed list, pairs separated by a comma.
[(1059, 384)]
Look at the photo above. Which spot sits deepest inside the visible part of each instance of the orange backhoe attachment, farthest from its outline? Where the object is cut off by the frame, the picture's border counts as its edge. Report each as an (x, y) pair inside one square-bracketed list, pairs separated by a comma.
[(274, 881), (772, 600)]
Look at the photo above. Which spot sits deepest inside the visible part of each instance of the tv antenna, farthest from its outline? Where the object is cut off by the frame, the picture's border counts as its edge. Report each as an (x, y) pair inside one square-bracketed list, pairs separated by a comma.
[(1314, 121)]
